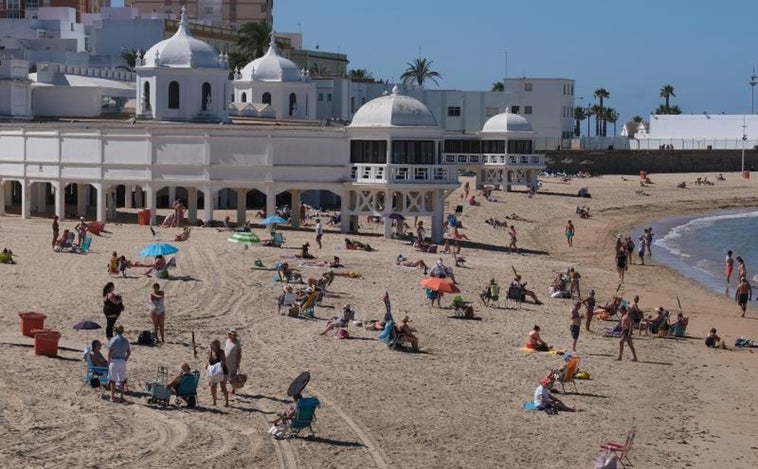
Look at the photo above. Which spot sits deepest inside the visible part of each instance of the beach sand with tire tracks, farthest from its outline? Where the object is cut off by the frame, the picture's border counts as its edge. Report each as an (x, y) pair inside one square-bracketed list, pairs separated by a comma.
[(456, 404)]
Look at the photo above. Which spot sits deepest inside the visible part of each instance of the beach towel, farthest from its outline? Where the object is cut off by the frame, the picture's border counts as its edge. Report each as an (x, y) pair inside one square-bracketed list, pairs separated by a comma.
[(530, 405), (745, 342), (386, 334), (549, 352)]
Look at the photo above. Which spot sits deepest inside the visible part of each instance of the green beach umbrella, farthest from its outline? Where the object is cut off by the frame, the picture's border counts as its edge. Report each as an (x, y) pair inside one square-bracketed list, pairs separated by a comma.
[(245, 239)]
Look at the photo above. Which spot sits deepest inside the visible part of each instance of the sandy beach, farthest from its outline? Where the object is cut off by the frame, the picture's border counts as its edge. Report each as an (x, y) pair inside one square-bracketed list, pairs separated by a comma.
[(457, 404)]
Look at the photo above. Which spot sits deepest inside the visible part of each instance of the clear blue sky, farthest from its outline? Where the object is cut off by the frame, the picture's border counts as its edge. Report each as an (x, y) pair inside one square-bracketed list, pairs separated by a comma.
[(706, 50)]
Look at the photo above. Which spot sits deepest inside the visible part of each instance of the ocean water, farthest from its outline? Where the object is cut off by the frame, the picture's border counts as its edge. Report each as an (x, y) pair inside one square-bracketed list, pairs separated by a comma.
[(696, 246)]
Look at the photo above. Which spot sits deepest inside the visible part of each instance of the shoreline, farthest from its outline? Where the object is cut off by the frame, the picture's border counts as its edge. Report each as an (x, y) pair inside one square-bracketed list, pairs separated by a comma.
[(679, 391)]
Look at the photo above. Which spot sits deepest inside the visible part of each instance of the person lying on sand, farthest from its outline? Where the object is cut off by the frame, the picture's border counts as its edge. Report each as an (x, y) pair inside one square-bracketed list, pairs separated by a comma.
[(6, 257), (357, 245), (405, 262)]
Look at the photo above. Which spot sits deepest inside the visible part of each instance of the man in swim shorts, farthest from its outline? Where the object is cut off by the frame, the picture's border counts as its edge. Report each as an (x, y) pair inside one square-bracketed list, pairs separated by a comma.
[(626, 335), (743, 294), (570, 233)]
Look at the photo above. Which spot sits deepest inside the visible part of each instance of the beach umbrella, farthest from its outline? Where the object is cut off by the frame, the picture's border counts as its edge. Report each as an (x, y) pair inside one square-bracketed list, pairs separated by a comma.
[(297, 386), (245, 239), (158, 249), (442, 285), (87, 326), (274, 220), (395, 216)]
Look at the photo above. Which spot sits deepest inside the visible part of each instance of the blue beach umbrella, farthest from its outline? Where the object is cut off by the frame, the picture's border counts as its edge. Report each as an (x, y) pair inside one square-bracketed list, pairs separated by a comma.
[(272, 220), (158, 249)]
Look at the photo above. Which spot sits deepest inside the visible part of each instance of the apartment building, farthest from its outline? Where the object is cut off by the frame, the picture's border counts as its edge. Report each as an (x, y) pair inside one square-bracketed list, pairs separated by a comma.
[(222, 13)]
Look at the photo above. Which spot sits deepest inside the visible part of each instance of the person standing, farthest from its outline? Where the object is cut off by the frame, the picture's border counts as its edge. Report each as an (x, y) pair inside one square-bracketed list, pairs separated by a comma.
[(576, 322), (649, 241), (118, 353), (233, 353), (56, 230), (512, 235), (81, 230), (743, 294), (741, 269), (319, 232), (570, 233), (621, 263), (642, 248), (113, 305), (729, 267), (626, 334), (216, 355), (589, 304), (158, 312)]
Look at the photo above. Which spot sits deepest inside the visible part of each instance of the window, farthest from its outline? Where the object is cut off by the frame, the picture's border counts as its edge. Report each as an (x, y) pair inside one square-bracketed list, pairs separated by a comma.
[(413, 152), (453, 111), (520, 147), (368, 151), (491, 111), (205, 93), (462, 146), (515, 109), (146, 96), (173, 95), (493, 146), (293, 104), (329, 97), (527, 87), (244, 97), (572, 90), (527, 109), (266, 99), (320, 97)]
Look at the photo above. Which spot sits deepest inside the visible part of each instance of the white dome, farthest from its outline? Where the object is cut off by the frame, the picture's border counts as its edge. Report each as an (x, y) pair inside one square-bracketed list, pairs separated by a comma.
[(507, 122), (182, 51), (271, 67), (394, 110)]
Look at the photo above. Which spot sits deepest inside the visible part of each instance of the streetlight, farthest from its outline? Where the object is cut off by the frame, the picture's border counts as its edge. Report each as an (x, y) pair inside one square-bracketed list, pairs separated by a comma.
[(744, 138), (752, 84)]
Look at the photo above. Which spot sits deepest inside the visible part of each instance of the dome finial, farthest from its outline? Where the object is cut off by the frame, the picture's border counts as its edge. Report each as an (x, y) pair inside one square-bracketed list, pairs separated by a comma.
[(395, 90), (183, 19), (272, 40), (507, 109)]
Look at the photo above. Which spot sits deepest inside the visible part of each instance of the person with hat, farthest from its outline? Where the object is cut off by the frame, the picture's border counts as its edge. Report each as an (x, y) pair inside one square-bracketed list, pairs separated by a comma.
[(56, 231), (119, 352), (516, 283), (81, 230), (233, 352), (544, 399)]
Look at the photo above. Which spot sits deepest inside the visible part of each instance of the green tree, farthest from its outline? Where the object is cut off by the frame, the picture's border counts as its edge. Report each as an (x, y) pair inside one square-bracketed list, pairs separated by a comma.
[(612, 116), (579, 115), (597, 111), (254, 39), (637, 119), (130, 57), (498, 86), (600, 94), (360, 74), (236, 60), (419, 71), (666, 93), (317, 70)]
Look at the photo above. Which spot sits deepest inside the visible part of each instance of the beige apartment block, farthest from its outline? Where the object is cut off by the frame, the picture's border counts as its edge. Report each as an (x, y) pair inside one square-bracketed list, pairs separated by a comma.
[(224, 13)]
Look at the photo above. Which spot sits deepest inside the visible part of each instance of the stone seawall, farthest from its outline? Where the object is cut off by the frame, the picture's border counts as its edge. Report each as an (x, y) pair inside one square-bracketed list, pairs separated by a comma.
[(652, 161)]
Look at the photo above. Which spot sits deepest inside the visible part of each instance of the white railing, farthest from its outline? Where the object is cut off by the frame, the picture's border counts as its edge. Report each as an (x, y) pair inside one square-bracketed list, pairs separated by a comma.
[(410, 174), (493, 159)]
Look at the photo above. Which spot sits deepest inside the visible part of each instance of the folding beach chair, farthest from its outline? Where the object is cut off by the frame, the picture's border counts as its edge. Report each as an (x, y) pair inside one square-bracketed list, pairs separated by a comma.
[(569, 374), (305, 415), (621, 450), (515, 294), (187, 390), (277, 239), (95, 374)]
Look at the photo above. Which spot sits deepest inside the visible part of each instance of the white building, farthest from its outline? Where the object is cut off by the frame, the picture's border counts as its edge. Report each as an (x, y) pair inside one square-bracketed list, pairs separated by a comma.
[(698, 132)]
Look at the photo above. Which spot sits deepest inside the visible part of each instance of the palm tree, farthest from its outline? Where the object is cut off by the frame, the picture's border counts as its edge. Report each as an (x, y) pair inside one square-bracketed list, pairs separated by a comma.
[(236, 60), (589, 112), (597, 111), (600, 94), (360, 74), (612, 116), (498, 86), (130, 57), (667, 92), (254, 39), (419, 71), (637, 119), (317, 70), (579, 116), (675, 109)]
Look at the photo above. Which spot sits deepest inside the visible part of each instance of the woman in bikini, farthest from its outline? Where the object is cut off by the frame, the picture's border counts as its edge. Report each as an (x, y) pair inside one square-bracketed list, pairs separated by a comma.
[(158, 311)]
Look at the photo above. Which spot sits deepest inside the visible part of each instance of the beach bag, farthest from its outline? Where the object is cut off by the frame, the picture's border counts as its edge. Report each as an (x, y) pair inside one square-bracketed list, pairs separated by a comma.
[(606, 461), (342, 334), (94, 382), (145, 338), (238, 381), (215, 373)]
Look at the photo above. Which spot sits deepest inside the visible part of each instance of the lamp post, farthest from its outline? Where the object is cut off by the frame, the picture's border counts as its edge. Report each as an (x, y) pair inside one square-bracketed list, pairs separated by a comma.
[(752, 84), (744, 138)]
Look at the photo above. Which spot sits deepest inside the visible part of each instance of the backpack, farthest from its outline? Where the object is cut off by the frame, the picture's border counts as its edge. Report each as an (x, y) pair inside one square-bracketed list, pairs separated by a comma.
[(146, 338)]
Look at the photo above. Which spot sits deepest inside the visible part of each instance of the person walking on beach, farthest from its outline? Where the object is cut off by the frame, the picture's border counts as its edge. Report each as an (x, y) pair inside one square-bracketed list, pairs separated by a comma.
[(233, 353), (743, 294), (589, 304), (649, 241), (626, 335), (570, 233), (621, 263), (319, 232), (729, 267), (56, 230), (158, 312), (112, 307), (576, 323), (741, 269), (642, 248), (119, 351), (512, 245)]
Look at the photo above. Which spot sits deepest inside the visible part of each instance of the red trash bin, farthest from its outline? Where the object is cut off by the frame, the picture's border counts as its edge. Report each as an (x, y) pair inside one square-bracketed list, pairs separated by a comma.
[(31, 320), (746, 174), (643, 175), (46, 342), (143, 217)]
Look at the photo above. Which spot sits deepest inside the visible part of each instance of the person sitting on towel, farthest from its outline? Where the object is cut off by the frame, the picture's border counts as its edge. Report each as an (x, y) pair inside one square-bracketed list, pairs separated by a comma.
[(535, 342), (544, 399)]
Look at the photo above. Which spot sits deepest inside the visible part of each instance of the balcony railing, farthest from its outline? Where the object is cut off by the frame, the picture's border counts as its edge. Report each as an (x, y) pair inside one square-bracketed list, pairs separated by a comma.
[(409, 174), (493, 159)]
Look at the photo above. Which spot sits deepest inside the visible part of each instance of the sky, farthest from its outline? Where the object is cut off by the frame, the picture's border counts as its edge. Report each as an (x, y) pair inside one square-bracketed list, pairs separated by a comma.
[(706, 50)]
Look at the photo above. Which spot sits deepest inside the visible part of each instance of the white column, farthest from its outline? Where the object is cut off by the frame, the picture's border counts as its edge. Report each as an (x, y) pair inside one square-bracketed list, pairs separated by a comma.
[(171, 195), (192, 205), (270, 200), (345, 213), (386, 211), (128, 191), (438, 215), (40, 194), (81, 200), (60, 200), (3, 185), (295, 222), (207, 204), (139, 198), (25, 203), (100, 204), (150, 202), (241, 207)]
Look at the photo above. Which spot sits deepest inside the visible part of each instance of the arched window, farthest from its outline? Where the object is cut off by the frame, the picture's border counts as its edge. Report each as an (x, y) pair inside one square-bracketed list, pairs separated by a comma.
[(244, 97), (173, 95), (266, 98), (146, 95), (293, 104), (206, 96)]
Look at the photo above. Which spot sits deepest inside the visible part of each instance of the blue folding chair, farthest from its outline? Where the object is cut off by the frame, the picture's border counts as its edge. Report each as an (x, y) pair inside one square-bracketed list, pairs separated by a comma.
[(95, 374), (187, 389), (305, 415)]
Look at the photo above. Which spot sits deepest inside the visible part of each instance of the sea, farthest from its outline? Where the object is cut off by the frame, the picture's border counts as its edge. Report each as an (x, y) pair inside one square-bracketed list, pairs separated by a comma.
[(696, 246)]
